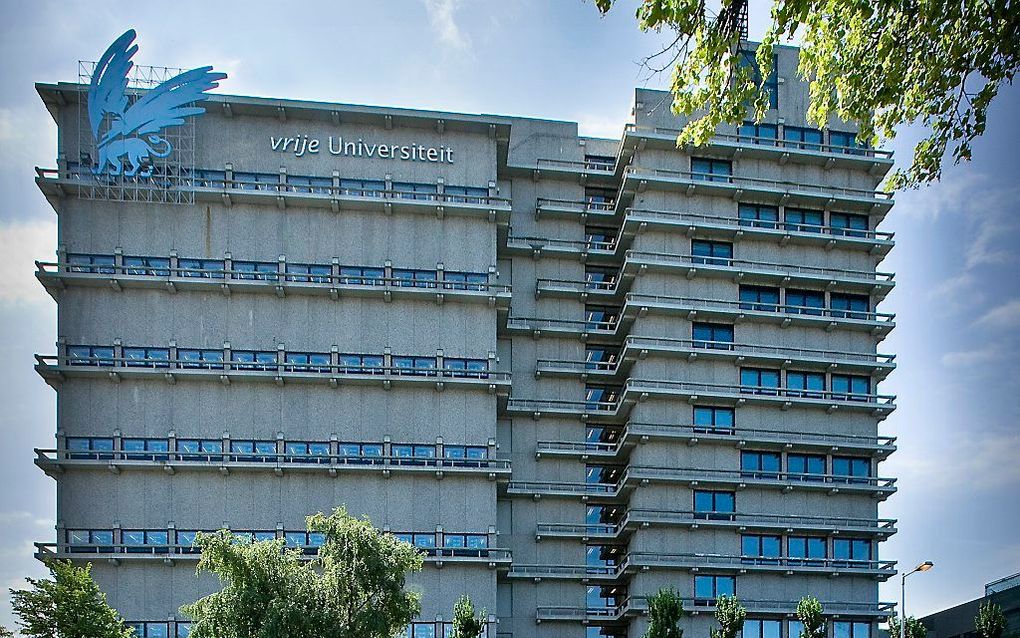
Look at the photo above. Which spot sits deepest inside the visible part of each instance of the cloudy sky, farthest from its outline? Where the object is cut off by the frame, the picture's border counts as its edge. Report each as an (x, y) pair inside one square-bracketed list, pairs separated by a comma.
[(957, 298)]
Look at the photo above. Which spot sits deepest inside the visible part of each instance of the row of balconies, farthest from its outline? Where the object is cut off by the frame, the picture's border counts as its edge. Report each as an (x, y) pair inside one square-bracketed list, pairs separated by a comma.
[(635, 476), (280, 189), (280, 277), (633, 519), (635, 220)]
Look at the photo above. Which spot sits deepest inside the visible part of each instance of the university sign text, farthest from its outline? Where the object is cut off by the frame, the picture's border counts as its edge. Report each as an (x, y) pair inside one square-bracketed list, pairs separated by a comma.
[(301, 145)]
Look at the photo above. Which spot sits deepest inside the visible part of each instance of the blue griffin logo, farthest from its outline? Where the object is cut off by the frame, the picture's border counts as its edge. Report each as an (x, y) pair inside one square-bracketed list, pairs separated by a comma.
[(133, 135)]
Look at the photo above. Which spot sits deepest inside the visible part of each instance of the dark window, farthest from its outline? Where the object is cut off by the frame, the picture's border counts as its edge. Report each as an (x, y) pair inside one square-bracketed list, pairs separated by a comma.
[(754, 547), (849, 306), (307, 361), (599, 397), (599, 238), (200, 449), (599, 278), (99, 264), (253, 360), (805, 467), (851, 387), (712, 335), (466, 194), (806, 138), (149, 266), (708, 588), (255, 270), (805, 384), (757, 133), (90, 356), (805, 302), (851, 469), (803, 220), (749, 60), (760, 464), (843, 142), (759, 381), (600, 317), (713, 419), (361, 363), (851, 549), (807, 548), (714, 505), (412, 190), (465, 280), (600, 198), (418, 366), (147, 357), (204, 268), (759, 298), (415, 278), (362, 187), (362, 276), (599, 162), (146, 449), (200, 358), (758, 215), (309, 273), (718, 253), (711, 170), (848, 224), (460, 367), (80, 447)]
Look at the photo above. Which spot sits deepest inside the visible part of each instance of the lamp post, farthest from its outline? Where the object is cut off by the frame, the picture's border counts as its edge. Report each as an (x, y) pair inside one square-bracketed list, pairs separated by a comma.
[(923, 567)]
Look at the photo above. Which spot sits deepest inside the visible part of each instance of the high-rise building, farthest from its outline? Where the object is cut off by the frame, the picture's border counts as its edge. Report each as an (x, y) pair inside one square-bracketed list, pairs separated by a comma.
[(571, 370)]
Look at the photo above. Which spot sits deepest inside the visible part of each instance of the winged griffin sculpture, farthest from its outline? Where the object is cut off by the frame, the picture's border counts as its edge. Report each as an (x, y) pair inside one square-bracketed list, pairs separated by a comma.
[(133, 134)]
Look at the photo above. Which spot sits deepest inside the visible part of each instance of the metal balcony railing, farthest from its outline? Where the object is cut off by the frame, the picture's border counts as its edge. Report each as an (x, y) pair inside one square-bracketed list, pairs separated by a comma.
[(741, 307), (579, 165), (576, 205)]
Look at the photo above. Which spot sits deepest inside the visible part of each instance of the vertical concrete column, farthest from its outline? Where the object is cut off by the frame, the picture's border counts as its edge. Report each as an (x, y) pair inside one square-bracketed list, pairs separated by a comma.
[(226, 355), (118, 351), (283, 180), (281, 356), (173, 354), (175, 263), (281, 267), (118, 442), (440, 274), (440, 359), (228, 175), (62, 351), (118, 260)]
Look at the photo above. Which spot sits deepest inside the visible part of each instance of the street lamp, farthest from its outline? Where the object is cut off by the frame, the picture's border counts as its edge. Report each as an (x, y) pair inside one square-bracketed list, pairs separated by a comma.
[(923, 567)]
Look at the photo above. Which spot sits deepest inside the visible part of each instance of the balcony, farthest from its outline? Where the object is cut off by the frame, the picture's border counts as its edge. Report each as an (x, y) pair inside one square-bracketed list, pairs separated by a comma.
[(56, 461), (228, 365), (635, 606), (538, 246), (640, 518), (637, 348), (280, 190), (637, 179), (637, 433), (326, 279), (580, 210), (636, 475)]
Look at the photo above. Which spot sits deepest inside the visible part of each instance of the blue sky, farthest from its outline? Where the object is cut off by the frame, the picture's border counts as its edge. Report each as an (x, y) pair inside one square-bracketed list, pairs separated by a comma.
[(957, 296)]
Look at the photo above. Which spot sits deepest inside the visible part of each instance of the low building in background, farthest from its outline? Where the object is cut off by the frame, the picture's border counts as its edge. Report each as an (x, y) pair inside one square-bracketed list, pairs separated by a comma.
[(958, 621)]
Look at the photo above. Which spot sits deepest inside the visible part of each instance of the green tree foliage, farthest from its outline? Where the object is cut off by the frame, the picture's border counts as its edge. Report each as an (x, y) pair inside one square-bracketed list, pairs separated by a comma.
[(809, 612), (5, 632), (879, 64), (665, 610), (353, 588), (465, 623), (990, 621), (68, 605), (730, 615), (915, 628)]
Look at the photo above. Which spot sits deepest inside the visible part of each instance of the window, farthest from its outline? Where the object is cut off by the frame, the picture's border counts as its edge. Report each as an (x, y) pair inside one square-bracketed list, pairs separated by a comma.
[(466, 455), (847, 629), (600, 198), (754, 547), (253, 360), (147, 357), (759, 298), (759, 381), (600, 278), (415, 278), (803, 220), (309, 273), (714, 505), (805, 384), (307, 542), (90, 356), (255, 181), (145, 541), (844, 142), (362, 276), (306, 452), (361, 363), (851, 549), (849, 306), (599, 162), (310, 184), (599, 238), (200, 358), (90, 540), (146, 449), (749, 60), (148, 266), (600, 317), (757, 133), (262, 451), (602, 555), (183, 629), (711, 170), (805, 467), (758, 215), (362, 187), (713, 419), (460, 367), (204, 268), (255, 270), (811, 549), (149, 629), (599, 358), (851, 387), (851, 469), (101, 264), (465, 280), (760, 464), (415, 453), (601, 474), (718, 253), (466, 194), (421, 366), (200, 449), (761, 629), (794, 628), (805, 138), (805, 302), (848, 224), (80, 447), (715, 336), (600, 397), (307, 361), (708, 588), (412, 190)]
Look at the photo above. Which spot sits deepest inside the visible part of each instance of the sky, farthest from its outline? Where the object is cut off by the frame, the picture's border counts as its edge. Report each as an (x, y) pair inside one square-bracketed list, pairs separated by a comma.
[(957, 296)]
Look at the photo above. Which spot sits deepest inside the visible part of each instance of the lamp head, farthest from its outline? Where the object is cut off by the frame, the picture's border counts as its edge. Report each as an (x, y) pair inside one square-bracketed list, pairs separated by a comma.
[(925, 566)]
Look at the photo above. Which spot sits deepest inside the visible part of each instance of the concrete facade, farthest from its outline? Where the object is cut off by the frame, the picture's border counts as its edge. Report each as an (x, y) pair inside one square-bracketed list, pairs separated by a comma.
[(573, 370)]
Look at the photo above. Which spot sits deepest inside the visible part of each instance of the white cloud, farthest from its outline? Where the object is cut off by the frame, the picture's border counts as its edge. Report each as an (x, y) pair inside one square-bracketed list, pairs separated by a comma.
[(1005, 316), (442, 16), (21, 243), (980, 356), (971, 465)]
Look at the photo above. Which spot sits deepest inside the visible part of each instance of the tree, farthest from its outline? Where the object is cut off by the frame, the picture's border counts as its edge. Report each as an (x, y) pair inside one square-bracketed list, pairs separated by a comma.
[(665, 610), (465, 623), (990, 621), (5, 632), (70, 605), (915, 628), (730, 614), (353, 588), (878, 64), (809, 612)]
